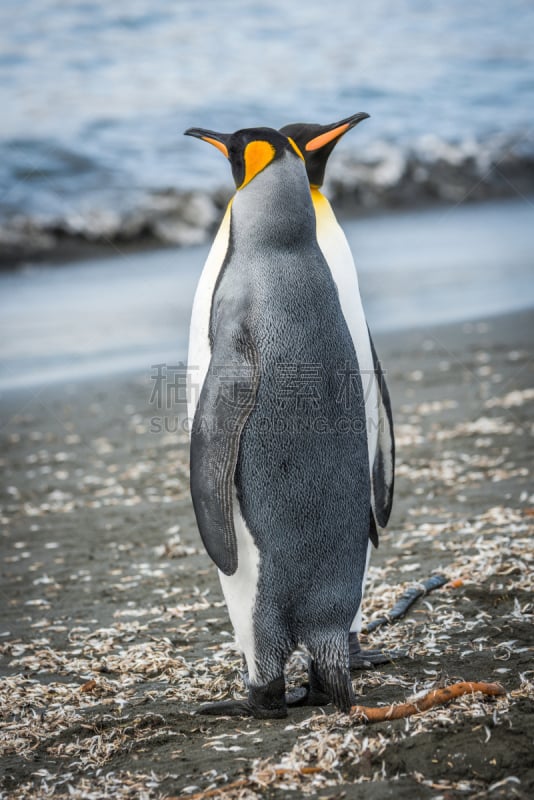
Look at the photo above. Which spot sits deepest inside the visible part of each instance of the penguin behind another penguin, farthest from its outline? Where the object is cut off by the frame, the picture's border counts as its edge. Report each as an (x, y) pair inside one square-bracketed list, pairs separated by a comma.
[(316, 142)]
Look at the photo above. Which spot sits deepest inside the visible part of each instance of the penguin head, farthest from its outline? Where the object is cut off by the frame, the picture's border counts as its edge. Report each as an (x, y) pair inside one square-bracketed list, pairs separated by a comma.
[(316, 142), (249, 150)]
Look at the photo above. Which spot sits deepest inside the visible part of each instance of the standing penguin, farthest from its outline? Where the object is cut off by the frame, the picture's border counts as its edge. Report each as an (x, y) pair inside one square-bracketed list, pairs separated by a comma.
[(316, 142), (280, 476)]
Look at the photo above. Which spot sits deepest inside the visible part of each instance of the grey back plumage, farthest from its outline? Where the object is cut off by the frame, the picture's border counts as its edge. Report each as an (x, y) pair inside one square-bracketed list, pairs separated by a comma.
[(301, 471)]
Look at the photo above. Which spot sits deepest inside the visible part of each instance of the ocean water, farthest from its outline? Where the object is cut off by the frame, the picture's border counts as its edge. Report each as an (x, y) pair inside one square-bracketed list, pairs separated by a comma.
[(96, 96), (131, 312)]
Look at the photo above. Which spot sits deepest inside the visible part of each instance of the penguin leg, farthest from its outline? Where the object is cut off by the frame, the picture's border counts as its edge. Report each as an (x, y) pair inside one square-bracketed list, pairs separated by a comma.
[(266, 693), (329, 677)]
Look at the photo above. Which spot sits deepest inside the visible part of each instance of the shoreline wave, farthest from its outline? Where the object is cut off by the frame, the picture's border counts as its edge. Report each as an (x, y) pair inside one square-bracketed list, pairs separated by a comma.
[(389, 177)]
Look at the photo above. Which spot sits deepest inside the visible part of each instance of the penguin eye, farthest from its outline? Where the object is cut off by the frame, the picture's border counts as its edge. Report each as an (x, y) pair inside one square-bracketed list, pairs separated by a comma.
[(257, 155)]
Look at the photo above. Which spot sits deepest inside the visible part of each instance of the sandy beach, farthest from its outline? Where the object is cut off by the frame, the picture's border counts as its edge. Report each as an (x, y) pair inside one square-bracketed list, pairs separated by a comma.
[(114, 629)]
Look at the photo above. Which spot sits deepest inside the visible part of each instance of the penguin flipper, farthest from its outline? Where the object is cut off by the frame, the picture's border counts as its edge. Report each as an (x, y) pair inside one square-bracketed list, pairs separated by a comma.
[(226, 400), (383, 472)]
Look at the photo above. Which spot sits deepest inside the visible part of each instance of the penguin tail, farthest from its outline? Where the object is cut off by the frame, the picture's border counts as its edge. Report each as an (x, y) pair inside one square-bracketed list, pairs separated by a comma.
[(339, 688), (330, 673)]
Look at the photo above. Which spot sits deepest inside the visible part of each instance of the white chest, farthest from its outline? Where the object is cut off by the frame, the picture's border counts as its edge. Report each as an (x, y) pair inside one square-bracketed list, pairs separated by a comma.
[(199, 354), (336, 251)]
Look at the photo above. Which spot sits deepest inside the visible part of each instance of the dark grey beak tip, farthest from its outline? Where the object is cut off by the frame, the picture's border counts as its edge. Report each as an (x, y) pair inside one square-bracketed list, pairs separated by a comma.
[(358, 118), (203, 133)]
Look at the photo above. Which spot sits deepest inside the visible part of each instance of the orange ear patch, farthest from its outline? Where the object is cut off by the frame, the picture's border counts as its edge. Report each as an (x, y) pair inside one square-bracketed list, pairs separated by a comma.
[(326, 138), (257, 156), (219, 145)]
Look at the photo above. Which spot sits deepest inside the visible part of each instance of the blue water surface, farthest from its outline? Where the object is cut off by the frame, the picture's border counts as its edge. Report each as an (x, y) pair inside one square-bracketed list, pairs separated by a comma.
[(96, 95)]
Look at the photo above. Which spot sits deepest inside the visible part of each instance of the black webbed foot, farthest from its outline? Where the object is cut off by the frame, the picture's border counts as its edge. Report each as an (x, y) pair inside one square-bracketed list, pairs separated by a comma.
[(368, 659), (298, 697), (306, 696), (263, 702), (226, 708)]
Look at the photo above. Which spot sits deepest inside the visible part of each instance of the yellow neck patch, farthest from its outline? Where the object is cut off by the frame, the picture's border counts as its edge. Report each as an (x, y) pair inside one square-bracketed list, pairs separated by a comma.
[(323, 210), (317, 196), (295, 147), (257, 156)]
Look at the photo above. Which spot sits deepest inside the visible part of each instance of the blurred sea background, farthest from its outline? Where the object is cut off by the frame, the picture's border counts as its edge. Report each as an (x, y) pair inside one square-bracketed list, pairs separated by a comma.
[(96, 175)]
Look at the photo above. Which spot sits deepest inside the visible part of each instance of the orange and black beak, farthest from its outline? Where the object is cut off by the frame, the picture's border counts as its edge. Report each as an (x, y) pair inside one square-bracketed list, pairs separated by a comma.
[(218, 140), (316, 142)]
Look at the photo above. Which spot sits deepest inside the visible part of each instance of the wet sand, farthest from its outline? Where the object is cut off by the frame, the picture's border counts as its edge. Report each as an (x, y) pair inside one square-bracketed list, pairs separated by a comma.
[(113, 627)]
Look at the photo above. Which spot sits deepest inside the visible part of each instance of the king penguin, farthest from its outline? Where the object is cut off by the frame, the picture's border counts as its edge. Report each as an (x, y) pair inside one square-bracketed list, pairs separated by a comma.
[(316, 142), (280, 478)]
